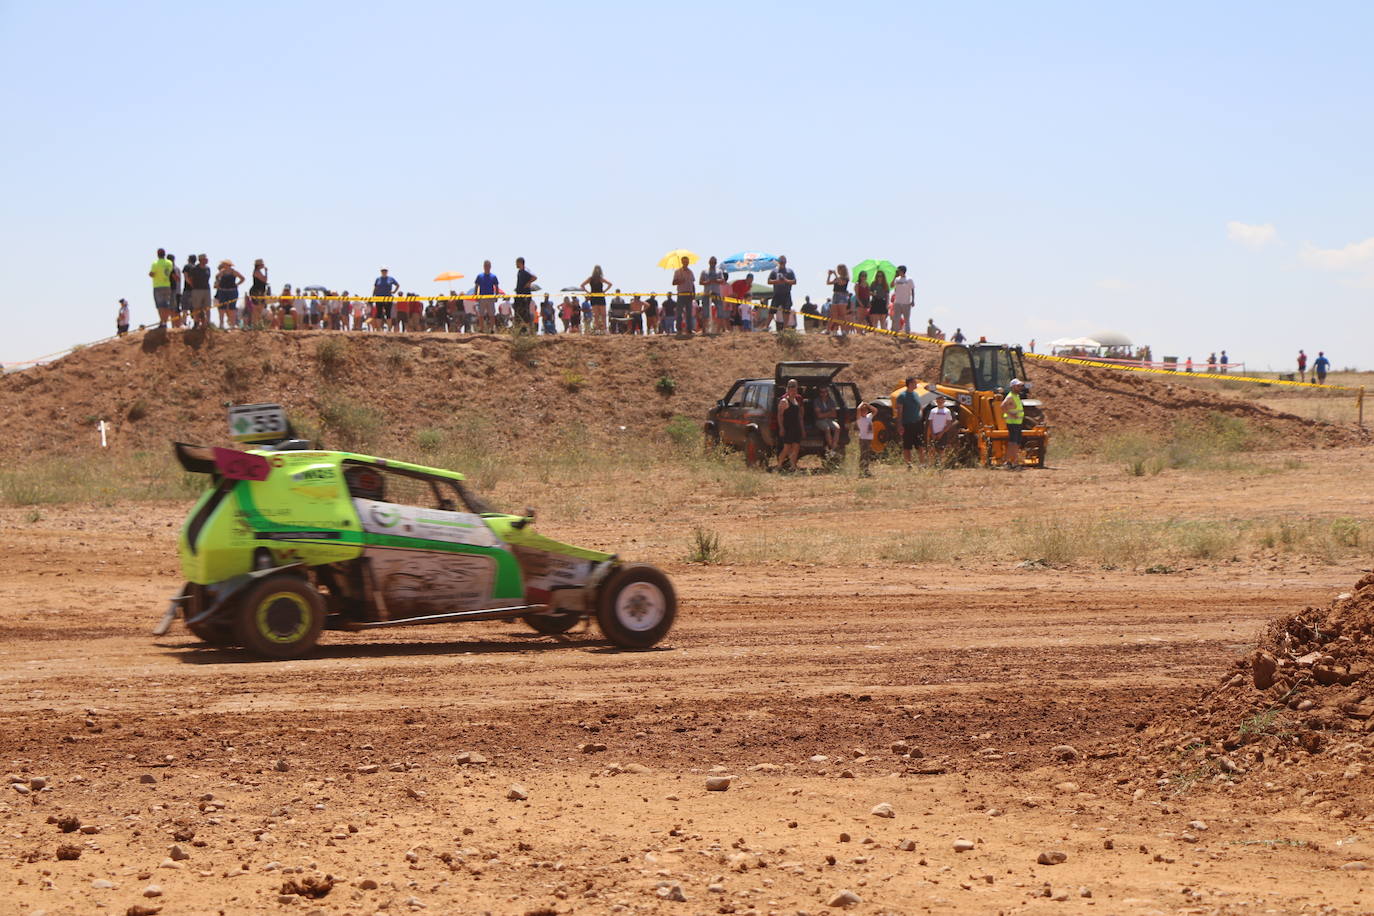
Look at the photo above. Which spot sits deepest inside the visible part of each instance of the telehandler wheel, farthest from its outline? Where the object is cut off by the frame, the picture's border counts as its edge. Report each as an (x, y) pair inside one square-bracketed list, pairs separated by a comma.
[(279, 617), (636, 606), (551, 624)]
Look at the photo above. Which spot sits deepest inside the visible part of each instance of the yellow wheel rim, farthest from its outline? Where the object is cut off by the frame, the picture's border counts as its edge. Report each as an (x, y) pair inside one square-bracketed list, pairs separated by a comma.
[(274, 613)]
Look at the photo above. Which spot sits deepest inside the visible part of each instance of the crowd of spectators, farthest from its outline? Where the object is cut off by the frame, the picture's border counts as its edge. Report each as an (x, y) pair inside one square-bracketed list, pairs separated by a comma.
[(708, 302)]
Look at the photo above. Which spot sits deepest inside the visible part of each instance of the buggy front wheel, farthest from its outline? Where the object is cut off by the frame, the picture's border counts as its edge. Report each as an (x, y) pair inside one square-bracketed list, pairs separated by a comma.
[(636, 607)]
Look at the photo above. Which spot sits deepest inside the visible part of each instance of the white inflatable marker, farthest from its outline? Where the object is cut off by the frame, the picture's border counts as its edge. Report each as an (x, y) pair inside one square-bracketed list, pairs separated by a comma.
[(102, 426)]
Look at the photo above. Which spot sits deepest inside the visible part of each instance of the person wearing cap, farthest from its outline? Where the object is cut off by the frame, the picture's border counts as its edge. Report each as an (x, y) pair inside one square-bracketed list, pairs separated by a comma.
[(385, 286), (122, 319), (940, 426), (1014, 413)]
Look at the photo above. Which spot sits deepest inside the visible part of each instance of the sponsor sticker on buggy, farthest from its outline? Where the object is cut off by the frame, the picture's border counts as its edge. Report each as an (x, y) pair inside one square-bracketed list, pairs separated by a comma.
[(428, 524), (549, 571), (422, 582)]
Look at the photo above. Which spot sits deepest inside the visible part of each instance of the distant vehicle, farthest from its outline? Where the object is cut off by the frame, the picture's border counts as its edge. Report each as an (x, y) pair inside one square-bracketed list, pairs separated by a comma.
[(975, 378), (288, 541), (746, 419)]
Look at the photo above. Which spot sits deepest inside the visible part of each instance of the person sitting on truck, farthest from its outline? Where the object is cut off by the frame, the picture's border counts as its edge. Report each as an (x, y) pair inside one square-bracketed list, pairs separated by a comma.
[(827, 418)]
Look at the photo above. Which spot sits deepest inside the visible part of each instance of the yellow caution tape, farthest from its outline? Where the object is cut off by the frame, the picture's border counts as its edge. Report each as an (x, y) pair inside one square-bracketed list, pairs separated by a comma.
[(1098, 364)]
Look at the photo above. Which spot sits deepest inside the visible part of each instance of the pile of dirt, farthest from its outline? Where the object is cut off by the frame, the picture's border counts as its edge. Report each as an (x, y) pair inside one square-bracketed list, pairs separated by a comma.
[(1299, 706), (158, 386)]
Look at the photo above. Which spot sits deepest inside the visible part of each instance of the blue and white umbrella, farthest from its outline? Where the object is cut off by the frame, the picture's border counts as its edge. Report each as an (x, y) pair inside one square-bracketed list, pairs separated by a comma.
[(751, 261)]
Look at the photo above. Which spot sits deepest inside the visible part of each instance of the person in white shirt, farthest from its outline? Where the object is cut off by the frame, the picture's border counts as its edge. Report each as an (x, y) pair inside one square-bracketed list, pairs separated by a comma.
[(865, 424), (940, 426), (903, 298)]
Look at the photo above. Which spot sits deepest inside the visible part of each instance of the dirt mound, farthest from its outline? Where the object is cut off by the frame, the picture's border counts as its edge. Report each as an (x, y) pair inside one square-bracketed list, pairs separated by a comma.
[(1299, 706), (381, 391)]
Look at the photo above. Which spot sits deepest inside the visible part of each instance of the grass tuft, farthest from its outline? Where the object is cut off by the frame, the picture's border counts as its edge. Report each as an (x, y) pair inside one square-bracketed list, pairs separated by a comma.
[(705, 546)]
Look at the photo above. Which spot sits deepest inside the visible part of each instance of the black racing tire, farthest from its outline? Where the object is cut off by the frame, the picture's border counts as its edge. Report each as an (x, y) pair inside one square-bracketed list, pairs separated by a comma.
[(552, 624), (712, 438), (215, 632), (280, 617), (636, 606)]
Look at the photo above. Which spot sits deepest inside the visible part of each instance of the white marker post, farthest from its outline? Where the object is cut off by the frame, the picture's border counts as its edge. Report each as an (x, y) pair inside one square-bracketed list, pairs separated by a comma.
[(102, 426)]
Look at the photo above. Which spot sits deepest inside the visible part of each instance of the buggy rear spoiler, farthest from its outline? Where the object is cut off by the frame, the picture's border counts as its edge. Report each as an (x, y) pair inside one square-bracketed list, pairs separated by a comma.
[(222, 462)]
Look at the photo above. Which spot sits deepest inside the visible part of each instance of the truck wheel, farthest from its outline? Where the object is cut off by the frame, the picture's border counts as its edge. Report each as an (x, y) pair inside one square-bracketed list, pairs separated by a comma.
[(551, 624), (712, 437), (280, 617), (636, 607), (755, 453)]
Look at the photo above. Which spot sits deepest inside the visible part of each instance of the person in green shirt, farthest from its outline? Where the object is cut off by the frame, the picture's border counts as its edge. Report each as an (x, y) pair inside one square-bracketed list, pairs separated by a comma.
[(161, 273)]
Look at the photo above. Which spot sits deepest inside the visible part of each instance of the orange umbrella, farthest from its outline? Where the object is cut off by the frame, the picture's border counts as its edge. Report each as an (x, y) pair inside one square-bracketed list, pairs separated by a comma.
[(448, 276)]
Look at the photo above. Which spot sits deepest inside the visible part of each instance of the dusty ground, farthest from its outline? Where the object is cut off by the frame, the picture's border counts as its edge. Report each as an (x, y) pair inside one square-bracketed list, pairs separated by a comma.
[(797, 679)]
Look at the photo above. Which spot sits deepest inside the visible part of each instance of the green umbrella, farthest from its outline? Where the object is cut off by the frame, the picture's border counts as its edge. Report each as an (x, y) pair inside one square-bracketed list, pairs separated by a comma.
[(872, 267)]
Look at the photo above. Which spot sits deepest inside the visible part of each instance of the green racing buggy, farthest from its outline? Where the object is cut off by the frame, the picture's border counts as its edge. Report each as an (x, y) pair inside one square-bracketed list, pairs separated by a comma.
[(289, 540)]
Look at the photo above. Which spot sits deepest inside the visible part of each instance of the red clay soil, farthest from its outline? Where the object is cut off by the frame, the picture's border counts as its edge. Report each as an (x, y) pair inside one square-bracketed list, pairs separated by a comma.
[(157, 386), (1297, 712)]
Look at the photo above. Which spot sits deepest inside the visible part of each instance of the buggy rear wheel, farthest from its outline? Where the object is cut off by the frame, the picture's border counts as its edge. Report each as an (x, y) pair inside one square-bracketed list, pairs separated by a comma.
[(636, 607), (551, 624), (279, 617)]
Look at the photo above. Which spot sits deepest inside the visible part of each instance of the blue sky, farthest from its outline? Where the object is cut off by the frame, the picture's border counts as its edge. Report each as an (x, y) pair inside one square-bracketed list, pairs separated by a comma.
[(1195, 175)]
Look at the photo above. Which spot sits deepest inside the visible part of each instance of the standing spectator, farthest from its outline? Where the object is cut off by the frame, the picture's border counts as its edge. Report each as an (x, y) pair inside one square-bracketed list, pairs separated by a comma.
[(864, 421), (790, 425), (1319, 367), (1225, 361), (903, 300), (877, 301), (939, 427), (933, 331), (487, 286), (548, 316), (960, 338), (285, 318), (384, 287), (573, 320), (827, 417), (357, 310), (782, 279), (227, 281), (636, 314), (122, 319), (180, 292), (620, 315), (1188, 366), (1014, 413), (907, 408), (257, 294), (1302, 366), (161, 272), (711, 280), (596, 285), (504, 313), (861, 298), (651, 314), (740, 290), (685, 286), (523, 281), (808, 308), (1032, 344), (838, 281), (1211, 363), (198, 289), (668, 323)]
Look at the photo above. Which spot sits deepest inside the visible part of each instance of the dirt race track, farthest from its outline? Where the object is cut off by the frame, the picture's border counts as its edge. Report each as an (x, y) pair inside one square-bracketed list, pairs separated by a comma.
[(483, 768)]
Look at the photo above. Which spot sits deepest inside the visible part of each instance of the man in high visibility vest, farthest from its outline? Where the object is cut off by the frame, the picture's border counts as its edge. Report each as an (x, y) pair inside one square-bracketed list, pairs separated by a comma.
[(1014, 413)]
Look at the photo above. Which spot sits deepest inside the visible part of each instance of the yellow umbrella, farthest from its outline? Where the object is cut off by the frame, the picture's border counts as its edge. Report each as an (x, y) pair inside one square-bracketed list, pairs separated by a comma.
[(673, 259), (448, 276)]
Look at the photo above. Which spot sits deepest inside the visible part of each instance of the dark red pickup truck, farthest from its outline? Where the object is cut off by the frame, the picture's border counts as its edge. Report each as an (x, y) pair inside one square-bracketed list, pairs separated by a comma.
[(746, 419)]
